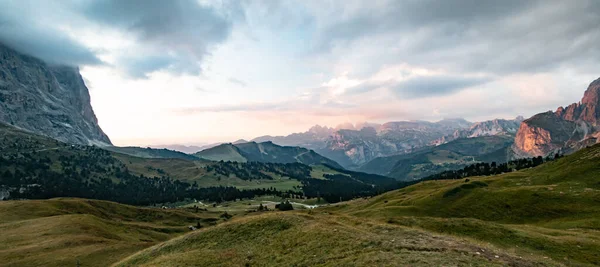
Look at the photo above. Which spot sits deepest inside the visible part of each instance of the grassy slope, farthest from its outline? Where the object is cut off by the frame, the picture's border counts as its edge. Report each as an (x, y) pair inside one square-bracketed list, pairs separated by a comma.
[(194, 171), (225, 152), (151, 152), (552, 209), (57, 232), (549, 215), (301, 239), (264, 152), (452, 155), (14, 141)]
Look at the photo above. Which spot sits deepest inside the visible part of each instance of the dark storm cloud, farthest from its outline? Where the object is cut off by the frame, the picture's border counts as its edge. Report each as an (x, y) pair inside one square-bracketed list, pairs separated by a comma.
[(20, 32)]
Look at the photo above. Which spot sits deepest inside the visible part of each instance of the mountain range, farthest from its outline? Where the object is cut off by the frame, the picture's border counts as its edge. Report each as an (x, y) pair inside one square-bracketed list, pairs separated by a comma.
[(53, 149), (354, 147), (53, 101)]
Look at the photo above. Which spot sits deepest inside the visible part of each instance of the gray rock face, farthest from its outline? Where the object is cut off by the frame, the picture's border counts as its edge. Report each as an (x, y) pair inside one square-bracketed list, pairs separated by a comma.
[(353, 145), (46, 99), (496, 127), (356, 147)]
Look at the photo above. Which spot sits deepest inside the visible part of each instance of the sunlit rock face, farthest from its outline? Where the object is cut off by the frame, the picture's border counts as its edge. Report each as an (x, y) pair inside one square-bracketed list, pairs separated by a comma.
[(47, 99), (565, 130)]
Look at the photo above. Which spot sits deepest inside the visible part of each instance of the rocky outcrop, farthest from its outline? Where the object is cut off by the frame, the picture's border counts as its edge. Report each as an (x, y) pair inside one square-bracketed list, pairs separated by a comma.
[(356, 147), (485, 128), (564, 130), (46, 99)]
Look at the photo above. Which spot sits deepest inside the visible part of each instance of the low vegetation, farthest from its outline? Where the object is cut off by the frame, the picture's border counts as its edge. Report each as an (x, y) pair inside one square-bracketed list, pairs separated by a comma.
[(62, 232), (36, 167), (538, 214)]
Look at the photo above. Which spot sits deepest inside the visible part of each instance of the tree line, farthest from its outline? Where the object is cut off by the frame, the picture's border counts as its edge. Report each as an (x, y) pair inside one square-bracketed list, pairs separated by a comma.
[(91, 172), (485, 169)]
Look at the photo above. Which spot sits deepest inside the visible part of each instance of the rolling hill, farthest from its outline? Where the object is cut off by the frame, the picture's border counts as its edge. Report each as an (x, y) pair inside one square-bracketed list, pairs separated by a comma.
[(544, 216), (62, 232), (264, 152), (151, 153), (37, 167), (450, 156)]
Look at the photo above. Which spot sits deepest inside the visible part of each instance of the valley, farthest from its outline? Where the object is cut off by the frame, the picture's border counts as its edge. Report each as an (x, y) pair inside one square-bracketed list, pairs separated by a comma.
[(415, 153), (543, 216)]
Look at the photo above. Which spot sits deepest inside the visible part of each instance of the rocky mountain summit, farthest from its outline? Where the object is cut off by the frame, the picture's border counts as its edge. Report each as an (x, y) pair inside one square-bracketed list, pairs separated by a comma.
[(314, 138), (565, 130), (353, 145), (47, 99), (485, 128), (356, 147)]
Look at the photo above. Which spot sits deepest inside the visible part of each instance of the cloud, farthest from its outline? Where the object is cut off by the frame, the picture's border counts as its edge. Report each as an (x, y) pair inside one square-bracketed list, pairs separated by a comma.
[(367, 86), (426, 86), (145, 36), (238, 82), (176, 35), (500, 37), (246, 107), (20, 31)]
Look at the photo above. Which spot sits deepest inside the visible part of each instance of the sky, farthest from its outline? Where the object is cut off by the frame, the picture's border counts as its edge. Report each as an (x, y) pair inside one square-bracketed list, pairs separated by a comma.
[(194, 72)]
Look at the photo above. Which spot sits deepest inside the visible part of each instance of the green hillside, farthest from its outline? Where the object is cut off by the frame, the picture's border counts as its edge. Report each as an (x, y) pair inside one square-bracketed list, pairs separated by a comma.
[(224, 152), (544, 216), (37, 167), (321, 239), (552, 209), (58, 232), (450, 156), (150, 152), (264, 152)]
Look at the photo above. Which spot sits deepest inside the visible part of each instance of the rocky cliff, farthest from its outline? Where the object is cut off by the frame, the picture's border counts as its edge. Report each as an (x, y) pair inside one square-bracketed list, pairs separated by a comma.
[(47, 99), (494, 127), (354, 145), (564, 130), (353, 148)]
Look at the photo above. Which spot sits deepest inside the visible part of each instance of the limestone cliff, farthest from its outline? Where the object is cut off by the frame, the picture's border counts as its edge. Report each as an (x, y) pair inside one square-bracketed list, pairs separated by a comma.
[(564, 130), (46, 99)]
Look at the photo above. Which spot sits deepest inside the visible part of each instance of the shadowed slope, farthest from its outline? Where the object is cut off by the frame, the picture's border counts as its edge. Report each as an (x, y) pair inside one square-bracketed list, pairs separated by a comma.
[(58, 232)]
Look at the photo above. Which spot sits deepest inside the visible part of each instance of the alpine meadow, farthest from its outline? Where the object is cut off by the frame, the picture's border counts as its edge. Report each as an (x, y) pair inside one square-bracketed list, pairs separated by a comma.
[(299, 133)]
